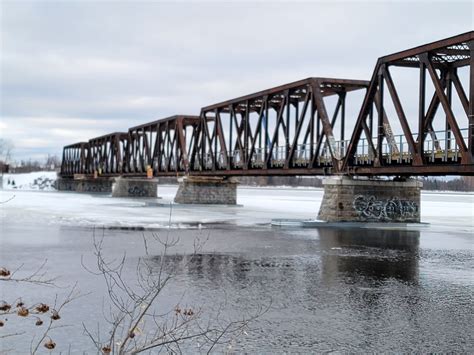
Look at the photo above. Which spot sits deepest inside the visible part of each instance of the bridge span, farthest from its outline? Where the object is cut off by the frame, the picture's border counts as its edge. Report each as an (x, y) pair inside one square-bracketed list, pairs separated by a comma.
[(414, 117)]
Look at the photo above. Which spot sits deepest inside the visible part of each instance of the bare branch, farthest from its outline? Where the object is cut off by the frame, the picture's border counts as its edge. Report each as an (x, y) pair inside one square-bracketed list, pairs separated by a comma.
[(36, 277), (8, 200), (71, 296)]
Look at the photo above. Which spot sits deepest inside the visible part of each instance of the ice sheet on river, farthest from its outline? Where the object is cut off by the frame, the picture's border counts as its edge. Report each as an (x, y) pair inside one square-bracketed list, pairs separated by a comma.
[(443, 211)]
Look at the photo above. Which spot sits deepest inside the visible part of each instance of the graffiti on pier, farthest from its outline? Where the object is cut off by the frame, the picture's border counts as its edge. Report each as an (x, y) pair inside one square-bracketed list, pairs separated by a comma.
[(371, 208), (137, 192)]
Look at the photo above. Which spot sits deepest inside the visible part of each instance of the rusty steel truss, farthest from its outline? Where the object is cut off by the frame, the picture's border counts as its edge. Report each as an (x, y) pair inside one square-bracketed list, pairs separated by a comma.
[(423, 152), (162, 145), (282, 131), (304, 128), (75, 159)]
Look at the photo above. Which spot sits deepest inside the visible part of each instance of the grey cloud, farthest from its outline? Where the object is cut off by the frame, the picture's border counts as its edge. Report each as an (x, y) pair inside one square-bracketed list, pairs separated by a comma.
[(117, 64)]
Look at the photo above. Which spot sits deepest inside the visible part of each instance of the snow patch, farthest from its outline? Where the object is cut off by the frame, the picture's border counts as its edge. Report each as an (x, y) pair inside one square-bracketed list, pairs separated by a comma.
[(40, 180)]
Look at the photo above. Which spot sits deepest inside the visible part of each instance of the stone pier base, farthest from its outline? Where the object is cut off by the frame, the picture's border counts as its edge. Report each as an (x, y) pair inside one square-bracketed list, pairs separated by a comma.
[(206, 190), (99, 185), (350, 200), (135, 187)]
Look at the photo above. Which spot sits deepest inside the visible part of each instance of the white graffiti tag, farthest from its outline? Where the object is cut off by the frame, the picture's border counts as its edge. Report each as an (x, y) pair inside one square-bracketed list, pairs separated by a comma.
[(369, 207)]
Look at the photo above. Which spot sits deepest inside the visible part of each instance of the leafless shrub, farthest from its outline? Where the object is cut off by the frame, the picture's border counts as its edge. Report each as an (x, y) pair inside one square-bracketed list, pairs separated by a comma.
[(56, 309), (39, 313), (7, 200), (38, 276), (134, 324)]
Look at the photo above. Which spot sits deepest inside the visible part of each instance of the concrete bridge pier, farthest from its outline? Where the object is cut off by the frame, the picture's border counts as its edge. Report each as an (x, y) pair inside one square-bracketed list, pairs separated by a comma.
[(119, 186), (348, 199), (135, 187), (85, 183), (206, 190)]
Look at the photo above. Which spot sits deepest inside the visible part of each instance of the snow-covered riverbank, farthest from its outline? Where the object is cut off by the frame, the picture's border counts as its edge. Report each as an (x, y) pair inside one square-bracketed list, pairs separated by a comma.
[(38, 180)]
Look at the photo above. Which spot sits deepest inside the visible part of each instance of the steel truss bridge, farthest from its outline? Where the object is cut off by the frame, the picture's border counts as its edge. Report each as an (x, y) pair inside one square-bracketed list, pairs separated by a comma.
[(302, 128)]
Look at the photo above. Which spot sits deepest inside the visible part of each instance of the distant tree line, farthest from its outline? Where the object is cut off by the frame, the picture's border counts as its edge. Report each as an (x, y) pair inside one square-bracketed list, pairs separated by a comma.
[(8, 165), (307, 181), (463, 183), (51, 163)]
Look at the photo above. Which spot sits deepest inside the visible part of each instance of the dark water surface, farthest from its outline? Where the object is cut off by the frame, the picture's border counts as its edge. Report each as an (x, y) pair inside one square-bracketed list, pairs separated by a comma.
[(344, 290)]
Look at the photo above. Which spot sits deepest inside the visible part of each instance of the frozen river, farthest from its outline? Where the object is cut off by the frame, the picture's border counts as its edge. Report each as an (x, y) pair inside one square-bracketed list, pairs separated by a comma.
[(346, 290)]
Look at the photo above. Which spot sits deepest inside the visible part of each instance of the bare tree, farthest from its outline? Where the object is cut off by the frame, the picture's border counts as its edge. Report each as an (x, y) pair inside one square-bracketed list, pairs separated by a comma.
[(134, 324), (52, 162), (6, 148)]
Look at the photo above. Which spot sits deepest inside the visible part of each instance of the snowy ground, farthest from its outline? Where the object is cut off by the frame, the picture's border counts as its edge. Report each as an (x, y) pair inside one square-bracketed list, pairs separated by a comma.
[(39, 180)]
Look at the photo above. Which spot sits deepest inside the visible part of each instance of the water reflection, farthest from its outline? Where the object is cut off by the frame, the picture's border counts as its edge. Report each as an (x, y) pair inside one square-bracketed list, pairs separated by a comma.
[(374, 264), (216, 268), (348, 287), (368, 253), (347, 255)]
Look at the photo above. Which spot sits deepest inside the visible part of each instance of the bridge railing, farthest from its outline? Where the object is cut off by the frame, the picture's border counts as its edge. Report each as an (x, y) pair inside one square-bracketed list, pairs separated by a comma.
[(443, 148), (279, 157), (439, 146)]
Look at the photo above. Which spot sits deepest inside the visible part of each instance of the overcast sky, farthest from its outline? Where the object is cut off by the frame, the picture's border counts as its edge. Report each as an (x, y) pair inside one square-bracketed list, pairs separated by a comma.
[(74, 70)]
